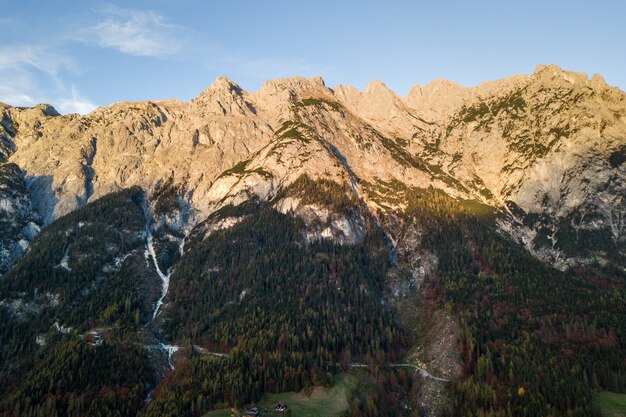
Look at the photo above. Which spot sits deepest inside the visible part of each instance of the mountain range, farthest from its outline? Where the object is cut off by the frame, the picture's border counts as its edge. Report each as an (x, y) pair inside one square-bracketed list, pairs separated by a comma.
[(399, 217)]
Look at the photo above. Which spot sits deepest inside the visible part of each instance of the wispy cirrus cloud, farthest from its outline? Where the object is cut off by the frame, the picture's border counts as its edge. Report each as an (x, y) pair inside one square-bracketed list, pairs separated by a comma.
[(22, 67), (134, 32), (33, 74), (34, 57), (17, 88), (49, 65), (75, 103)]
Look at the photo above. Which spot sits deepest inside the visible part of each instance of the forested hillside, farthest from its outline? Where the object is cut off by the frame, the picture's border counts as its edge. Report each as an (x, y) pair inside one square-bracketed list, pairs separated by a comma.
[(536, 341), (259, 307), (84, 272), (287, 313)]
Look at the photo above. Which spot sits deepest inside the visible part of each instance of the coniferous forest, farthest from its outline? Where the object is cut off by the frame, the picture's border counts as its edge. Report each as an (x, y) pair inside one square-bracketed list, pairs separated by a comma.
[(258, 308), (47, 366), (536, 341)]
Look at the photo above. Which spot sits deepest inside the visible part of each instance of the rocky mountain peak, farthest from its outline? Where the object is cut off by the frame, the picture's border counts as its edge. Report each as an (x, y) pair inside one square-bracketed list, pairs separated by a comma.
[(283, 92), (220, 84), (276, 98), (37, 111), (552, 74), (440, 87), (223, 97), (374, 92), (553, 71), (47, 109), (436, 98), (377, 87), (380, 106), (294, 85)]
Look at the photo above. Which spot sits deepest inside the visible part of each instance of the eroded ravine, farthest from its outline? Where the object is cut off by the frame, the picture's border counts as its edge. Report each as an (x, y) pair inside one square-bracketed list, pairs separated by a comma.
[(153, 334), (165, 278)]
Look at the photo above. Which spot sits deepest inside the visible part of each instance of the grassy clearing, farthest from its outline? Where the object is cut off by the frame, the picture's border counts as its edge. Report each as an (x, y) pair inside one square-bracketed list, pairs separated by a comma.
[(322, 402), (612, 404)]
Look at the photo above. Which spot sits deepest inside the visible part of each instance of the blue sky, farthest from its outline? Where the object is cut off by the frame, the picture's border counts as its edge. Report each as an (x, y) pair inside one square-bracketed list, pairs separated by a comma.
[(80, 54)]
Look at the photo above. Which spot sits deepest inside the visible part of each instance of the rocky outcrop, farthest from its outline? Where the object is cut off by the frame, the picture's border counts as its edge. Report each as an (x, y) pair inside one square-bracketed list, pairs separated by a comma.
[(18, 222), (322, 222)]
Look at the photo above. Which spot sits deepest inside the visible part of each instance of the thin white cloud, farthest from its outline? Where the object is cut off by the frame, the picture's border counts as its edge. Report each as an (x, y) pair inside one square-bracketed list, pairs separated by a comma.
[(34, 57), (75, 103), (21, 67), (135, 32), (33, 74), (15, 98)]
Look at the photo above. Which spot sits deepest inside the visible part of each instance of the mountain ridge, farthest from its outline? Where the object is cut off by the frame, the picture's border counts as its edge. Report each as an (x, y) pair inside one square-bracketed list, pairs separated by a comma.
[(502, 143)]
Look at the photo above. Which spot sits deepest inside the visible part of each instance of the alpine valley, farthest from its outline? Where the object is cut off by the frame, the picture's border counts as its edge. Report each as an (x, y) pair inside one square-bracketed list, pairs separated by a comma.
[(455, 252)]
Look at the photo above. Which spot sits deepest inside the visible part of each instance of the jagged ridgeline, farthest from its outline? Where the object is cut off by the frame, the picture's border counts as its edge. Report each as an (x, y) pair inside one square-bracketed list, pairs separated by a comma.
[(546, 148)]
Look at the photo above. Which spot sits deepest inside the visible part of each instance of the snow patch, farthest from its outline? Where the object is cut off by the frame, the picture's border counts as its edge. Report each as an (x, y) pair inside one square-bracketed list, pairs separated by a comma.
[(6, 205), (30, 230), (40, 340), (181, 247)]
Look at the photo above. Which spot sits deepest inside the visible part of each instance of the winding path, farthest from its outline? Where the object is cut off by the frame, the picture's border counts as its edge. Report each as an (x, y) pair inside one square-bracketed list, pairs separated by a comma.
[(422, 371), (204, 351)]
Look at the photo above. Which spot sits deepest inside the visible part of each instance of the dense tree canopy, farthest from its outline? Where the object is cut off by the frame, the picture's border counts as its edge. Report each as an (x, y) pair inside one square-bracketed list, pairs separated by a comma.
[(289, 313), (537, 341)]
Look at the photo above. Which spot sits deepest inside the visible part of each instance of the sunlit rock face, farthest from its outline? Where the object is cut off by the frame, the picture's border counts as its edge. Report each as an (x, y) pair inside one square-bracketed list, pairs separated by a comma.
[(546, 150)]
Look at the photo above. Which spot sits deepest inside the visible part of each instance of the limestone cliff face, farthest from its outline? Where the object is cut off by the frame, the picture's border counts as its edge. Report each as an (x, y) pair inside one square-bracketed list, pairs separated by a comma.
[(546, 149), (542, 146), (18, 221)]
